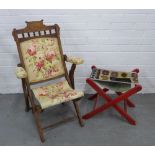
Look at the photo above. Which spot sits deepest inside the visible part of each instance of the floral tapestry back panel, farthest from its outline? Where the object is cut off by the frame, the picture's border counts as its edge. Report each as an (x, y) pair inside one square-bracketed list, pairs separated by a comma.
[(42, 59)]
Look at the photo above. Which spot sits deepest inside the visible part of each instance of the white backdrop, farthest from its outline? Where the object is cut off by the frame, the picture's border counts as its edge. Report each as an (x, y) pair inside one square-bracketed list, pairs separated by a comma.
[(113, 39)]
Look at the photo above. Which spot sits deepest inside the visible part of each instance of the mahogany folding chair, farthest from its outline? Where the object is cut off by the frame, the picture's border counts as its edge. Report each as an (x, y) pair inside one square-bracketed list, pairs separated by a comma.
[(123, 90), (41, 60)]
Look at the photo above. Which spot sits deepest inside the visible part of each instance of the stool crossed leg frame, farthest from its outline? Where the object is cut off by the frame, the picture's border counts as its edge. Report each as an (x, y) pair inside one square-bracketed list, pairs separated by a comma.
[(112, 102)]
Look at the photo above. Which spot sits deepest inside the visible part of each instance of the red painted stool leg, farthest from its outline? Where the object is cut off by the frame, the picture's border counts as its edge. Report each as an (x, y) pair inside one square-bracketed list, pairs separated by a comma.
[(95, 95), (128, 102), (96, 100), (92, 96), (106, 106), (113, 103), (125, 106), (125, 115)]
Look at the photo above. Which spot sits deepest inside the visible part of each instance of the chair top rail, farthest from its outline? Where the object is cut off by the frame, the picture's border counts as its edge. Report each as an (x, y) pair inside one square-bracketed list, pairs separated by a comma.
[(35, 29)]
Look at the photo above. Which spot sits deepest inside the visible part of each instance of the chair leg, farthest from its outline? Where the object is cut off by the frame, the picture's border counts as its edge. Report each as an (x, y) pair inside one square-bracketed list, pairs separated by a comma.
[(78, 113), (27, 108), (38, 124)]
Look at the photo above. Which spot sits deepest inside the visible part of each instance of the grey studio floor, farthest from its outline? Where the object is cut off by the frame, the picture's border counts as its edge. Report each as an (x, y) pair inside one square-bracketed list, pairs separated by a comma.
[(18, 128)]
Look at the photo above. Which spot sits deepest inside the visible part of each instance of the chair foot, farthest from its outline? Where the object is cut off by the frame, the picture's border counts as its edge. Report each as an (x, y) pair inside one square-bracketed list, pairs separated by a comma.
[(41, 135), (38, 124), (82, 124), (27, 109), (42, 139), (78, 114)]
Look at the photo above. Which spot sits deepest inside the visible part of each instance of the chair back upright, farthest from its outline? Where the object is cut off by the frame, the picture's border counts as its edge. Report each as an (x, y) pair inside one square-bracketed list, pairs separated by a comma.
[(40, 51)]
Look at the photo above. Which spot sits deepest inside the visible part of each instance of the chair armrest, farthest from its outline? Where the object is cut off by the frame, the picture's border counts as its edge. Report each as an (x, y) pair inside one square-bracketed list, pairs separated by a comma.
[(21, 73), (74, 60)]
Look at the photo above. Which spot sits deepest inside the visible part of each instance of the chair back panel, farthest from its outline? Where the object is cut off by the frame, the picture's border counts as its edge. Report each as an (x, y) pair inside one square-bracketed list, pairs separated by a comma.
[(40, 51), (42, 58)]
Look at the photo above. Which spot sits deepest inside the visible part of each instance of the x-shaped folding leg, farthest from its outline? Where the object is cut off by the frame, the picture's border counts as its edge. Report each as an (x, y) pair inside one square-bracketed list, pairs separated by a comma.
[(127, 101), (112, 102)]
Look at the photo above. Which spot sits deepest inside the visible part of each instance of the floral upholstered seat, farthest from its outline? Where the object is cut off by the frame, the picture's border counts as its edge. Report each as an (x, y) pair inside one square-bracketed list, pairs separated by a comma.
[(54, 94)]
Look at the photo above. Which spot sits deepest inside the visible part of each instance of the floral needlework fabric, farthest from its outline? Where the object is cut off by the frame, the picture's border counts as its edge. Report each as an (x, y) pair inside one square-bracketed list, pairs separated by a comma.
[(54, 94), (42, 58), (21, 73), (75, 60)]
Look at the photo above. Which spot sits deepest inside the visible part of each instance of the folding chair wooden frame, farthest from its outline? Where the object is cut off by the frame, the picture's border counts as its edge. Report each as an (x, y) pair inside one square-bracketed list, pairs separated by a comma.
[(112, 102), (33, 30)]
